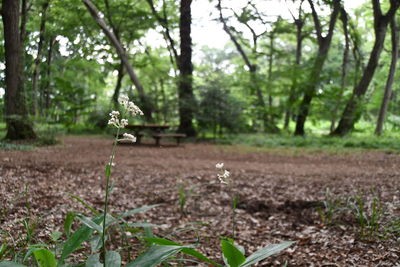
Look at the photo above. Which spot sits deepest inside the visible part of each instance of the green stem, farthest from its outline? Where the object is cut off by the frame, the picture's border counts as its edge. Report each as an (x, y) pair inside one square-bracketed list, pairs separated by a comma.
[(108, 176)]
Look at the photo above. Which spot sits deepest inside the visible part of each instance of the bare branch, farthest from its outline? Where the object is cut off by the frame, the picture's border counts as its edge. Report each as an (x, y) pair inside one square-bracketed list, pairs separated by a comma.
[(233, 38)]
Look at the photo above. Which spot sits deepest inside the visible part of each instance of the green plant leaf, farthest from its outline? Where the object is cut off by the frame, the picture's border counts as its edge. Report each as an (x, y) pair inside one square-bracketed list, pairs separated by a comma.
[(232, 255), (10, 264), (137, 210), (96, 243), (265, 252), (45, 258), (113, 259), (91, 224), (187, 251), (68, 223), (154, 256), (141, 225), (55, 235), (107, 170), (93, 210), (94, 261), (77, 238)]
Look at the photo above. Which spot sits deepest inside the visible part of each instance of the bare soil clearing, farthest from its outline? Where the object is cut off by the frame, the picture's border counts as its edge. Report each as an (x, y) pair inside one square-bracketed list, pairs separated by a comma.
[(278, 195)]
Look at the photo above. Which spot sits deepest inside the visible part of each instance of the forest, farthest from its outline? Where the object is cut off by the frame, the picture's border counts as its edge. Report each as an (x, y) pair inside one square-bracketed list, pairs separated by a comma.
[(294, 101)]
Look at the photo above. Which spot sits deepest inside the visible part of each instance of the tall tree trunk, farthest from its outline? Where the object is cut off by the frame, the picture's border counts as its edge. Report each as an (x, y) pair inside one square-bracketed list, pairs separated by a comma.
[(118, 85), (46, 88), (389, 81), (292, 93), (345, 61), (146, 104), (185, 85), (36, 67), (324, 44), (352, 111), (18, 126)]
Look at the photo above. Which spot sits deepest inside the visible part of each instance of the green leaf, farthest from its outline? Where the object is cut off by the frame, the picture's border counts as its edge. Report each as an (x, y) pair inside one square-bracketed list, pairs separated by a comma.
[(187, 251), (265, 252), (84, 204), (107, 170), (232, 255), (94, 261), (154, 256), (96, 243), (76, 239), (137, 210), (91, 224), (141, 225), (10, 264), (68, 223), (55, 235), (113, 259), (45, 258)]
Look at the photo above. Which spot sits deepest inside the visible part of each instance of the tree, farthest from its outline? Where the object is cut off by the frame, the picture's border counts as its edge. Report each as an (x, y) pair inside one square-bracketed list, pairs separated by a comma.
[(352, 111), (299, 23), (147, 107), (185, 87), (390, 78), (324, 43), (250, 60), (16, 115), (183, 61), (345, 21), (36, 68)]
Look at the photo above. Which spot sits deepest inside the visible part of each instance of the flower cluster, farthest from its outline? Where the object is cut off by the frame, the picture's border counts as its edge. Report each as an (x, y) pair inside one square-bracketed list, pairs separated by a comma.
[(130, 106), (114, 120), (121, 123), (129, 137), (224, 174)]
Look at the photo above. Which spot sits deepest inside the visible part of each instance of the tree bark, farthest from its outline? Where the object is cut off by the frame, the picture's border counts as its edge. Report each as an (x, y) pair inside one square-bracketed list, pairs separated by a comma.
[(46, 88), (292, 93), (352, 111), (323, 49), (118, 85), (36, 64), (147, 107), (390, 79), (345, 61), (185, 84), (18, 126)]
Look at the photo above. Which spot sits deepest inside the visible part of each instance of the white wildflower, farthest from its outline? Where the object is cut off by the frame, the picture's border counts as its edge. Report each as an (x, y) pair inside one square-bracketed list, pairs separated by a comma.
[(133, 109), (123, 123), (223, 176), (123, 100), (129, 137), (226, 174)]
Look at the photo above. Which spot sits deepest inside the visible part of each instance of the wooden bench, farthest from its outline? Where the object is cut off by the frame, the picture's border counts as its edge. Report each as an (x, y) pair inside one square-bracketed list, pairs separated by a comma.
[(157, 137)]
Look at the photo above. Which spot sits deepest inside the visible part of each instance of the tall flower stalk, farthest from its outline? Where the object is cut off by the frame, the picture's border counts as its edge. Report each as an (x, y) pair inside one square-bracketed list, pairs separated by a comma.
[(224, 177), (119, 123)]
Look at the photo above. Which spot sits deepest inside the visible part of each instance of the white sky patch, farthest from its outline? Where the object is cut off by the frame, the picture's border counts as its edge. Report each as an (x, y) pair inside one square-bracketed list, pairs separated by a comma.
[(63, 45), (207, 30), (2, 92)]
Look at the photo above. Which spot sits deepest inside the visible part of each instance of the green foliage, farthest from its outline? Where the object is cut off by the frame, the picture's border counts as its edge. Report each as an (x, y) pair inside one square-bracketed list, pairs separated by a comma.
[(365, 213), (315, 142)]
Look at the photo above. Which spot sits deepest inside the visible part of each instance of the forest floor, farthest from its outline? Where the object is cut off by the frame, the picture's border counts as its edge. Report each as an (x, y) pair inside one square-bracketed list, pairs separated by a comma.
[(279, 194)]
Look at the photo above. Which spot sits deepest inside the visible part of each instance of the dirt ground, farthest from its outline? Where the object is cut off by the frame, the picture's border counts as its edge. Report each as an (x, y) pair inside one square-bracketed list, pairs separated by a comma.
[(279, 194)]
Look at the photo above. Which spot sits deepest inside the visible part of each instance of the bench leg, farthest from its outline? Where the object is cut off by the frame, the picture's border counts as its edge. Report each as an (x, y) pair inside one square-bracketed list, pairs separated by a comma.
[(138, 139), (157, 140), (178, 140)]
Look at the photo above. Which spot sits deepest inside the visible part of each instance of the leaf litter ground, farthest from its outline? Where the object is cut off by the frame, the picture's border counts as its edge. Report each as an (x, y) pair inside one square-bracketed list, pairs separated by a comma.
[(279, 195)]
